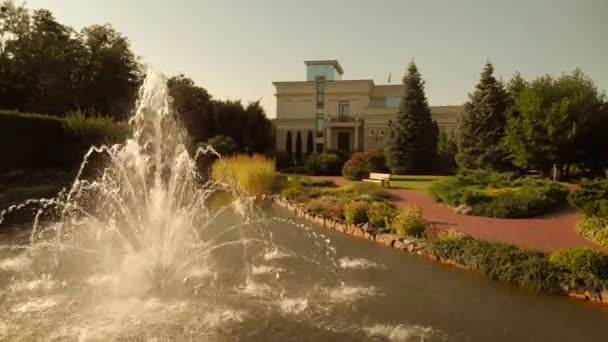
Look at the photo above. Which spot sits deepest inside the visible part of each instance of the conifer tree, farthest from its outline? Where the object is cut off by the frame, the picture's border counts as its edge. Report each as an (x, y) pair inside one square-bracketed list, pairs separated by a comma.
[(412, 138), (481, 127)]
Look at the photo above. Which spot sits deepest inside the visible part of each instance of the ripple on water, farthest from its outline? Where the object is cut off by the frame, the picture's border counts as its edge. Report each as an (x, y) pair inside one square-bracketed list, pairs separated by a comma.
[(293, 306), (265, 269), (349, 294), (44, 284), (401, 332), (16, 264), (360, 263), (36, 305), (275, 253)]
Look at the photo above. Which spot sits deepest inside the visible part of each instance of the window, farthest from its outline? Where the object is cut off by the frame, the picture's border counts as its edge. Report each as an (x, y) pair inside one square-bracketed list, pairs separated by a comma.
[(320, 125), (371, 133), (320, 92), (319, 148), (343, 109), (392, 101)]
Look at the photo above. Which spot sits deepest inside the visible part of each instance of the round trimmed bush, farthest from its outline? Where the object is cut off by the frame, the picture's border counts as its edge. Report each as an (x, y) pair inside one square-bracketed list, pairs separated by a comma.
[(357, 167), (356, 212), (381, 214), (409, 222)]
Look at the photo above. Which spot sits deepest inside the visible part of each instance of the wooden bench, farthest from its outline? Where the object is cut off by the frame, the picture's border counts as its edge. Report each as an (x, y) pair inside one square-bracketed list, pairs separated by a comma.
[(383, 178)]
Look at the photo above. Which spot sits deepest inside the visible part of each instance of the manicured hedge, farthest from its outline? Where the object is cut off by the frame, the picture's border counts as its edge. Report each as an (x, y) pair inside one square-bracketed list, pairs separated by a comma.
[(36, 141), (592, 198), (502, 195), (557, 273)]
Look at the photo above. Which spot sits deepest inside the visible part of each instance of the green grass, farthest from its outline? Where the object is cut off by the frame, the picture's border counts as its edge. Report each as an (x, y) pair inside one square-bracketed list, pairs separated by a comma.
[(414, 182)]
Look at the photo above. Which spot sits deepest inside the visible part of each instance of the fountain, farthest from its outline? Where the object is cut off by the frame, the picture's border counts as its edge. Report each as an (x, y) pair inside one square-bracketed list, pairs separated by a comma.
[(144, 244)]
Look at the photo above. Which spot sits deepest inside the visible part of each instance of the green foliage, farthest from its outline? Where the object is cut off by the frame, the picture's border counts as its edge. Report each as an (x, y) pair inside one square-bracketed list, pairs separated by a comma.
[(557, 121), (409, 222), (356, 212), (36, 141), (329, 206), (594, 228), (48, 67), (225, 146), (592, 198), (501, 262), (481, 127), (446, 152), (328, 164), (295, 194), (412, 139), (372, 190), (253, 175), (381, 214), (582, 261), (499, 194)]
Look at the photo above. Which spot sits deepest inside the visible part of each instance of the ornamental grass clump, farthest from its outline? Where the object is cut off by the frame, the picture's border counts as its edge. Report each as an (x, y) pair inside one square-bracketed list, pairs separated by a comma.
[(253, 175), (356, 212)]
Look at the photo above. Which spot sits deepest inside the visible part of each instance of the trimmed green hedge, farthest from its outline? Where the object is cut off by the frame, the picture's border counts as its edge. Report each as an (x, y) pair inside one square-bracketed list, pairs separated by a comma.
[(36, 141), (557, 273), (500, 195), (592, 198)]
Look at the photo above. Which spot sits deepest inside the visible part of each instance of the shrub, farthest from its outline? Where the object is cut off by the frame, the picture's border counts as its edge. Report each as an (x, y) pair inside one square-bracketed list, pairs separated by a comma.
[(295, 194), (530, 269), (409, 222), (592, 198), (225, 146), (45, 141), (282, 159), (357, 167), (323, 164), (582, 261), (253, 175), (381, 214), (356, 212), (499, 194), (374, 191), (377, 162), (594, 228), (327, 206)]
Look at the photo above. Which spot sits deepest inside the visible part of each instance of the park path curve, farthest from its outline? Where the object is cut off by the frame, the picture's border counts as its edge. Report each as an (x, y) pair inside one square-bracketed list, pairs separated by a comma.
[(546, 233)]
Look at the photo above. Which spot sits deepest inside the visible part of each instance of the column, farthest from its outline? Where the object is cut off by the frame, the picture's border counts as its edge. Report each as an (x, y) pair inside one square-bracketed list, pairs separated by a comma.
[(356, 139), (327, 139)]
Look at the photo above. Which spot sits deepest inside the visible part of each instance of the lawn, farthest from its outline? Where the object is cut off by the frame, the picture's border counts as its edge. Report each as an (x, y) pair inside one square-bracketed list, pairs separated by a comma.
[(414, 182)]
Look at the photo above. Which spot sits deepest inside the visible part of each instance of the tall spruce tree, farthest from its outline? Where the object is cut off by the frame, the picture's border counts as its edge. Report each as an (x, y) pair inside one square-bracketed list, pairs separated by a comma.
[(482, 125), (412, 138)]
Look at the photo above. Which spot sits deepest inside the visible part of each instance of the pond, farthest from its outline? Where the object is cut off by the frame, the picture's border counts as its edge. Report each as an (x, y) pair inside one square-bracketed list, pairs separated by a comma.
[(298, 282)]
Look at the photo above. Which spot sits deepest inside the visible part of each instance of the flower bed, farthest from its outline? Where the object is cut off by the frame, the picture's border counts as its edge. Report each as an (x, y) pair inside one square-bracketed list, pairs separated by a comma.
[(501, 195)]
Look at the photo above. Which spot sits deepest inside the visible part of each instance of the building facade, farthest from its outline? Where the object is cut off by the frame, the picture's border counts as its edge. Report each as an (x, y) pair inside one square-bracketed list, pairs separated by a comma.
[(326, 112)]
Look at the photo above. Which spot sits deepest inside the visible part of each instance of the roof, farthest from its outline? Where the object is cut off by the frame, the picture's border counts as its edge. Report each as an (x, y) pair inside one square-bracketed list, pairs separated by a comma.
[(333, 62)]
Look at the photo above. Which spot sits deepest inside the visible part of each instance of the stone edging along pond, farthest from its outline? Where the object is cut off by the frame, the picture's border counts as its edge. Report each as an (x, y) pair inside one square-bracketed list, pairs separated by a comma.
[(410, 245)]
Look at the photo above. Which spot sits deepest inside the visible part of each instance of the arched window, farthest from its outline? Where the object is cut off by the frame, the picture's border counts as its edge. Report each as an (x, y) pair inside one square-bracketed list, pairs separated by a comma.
[(288, 143), (298, 147), (309, 143)]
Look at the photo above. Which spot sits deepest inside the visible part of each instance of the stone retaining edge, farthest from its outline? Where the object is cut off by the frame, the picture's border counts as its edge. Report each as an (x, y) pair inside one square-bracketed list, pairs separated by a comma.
[(406, 244)]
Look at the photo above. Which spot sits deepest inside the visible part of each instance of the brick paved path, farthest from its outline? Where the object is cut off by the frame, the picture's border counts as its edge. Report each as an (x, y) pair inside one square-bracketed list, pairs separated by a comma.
[(545, 233)]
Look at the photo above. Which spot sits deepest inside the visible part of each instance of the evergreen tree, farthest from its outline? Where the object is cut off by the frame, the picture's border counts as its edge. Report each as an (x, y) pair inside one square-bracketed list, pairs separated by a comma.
[(481, 127), (412, 138)]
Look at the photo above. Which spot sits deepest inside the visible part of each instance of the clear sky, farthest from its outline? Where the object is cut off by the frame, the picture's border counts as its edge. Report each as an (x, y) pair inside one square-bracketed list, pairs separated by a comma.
[(236, 48)]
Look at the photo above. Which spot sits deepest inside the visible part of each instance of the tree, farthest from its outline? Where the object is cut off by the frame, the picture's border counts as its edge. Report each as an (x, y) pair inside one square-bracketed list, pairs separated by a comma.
[(309, 143), (412, 140), (481, 126), (192, 106), (47, 67), (446, 152), (223, 145), (557, 122), (298, 153), (288, 144)]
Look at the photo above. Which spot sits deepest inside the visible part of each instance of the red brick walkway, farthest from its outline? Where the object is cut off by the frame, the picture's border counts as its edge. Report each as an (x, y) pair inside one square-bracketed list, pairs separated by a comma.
[(546, 233)]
